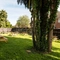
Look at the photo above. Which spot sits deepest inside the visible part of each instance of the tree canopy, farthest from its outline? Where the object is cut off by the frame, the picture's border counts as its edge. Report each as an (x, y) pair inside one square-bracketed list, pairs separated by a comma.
[(3, 19), (23, 22)]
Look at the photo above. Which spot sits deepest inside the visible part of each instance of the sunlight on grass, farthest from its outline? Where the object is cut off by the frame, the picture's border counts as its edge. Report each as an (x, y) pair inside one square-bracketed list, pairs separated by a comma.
[(54, 56), (18, 44), (18, 35), (56, 44), (24, 36)]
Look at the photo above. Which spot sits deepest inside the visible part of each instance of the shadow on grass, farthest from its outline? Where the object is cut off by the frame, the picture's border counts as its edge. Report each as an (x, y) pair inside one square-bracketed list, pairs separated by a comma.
[(55, 53), (15, 49), (54, 48)]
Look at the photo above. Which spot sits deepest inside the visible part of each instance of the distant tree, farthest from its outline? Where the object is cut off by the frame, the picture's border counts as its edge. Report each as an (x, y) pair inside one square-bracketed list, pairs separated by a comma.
[(23, 22), (3, 19), (8, 24)]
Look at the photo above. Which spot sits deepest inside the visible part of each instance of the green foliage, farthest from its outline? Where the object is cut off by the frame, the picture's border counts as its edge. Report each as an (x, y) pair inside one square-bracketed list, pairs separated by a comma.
[(3, 19), (23, 22), (8, 24)]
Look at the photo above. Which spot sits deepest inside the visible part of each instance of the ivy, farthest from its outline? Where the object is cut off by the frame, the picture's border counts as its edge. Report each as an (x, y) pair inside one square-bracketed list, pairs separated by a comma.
[(44, 15)]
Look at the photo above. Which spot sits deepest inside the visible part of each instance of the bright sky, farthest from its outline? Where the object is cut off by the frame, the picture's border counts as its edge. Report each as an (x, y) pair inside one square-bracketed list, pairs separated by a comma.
[(14, 10), (59, 8)]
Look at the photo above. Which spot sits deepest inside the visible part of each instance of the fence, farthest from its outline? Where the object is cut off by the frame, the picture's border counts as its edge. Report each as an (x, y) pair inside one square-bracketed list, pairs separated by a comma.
[(5, 30), (56, 32), (20, 30)]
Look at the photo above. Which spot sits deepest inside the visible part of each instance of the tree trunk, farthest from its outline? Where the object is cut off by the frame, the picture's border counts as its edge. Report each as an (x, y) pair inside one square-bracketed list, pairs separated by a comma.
[(50, 36), (43, 25), (33, 30)]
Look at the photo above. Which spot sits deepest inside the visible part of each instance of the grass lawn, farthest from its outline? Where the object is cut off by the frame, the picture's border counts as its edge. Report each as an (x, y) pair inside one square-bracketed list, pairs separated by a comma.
[(17, 46)]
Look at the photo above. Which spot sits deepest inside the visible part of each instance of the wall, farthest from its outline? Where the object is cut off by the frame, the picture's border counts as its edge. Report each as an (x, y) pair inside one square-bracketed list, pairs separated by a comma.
[(19, 30)]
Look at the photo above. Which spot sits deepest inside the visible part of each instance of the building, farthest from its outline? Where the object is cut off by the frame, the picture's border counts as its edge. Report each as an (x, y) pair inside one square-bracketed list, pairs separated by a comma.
[(57, 22)]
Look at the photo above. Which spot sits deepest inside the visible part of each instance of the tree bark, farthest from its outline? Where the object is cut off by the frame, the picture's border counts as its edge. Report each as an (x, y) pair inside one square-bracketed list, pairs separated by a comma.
[(50, 36), (33, 30)]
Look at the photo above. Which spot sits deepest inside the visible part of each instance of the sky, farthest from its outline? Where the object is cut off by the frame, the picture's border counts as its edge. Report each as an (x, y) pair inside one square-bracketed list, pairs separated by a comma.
[(14, 11), (59, 8)]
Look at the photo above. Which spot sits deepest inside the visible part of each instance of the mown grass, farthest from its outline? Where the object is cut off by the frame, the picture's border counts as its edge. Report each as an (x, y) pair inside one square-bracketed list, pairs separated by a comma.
[(17, 46)]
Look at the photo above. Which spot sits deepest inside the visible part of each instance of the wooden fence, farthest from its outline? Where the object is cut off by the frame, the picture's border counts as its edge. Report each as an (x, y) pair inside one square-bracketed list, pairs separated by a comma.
[(56, 32), (5, 30), (20, 30)]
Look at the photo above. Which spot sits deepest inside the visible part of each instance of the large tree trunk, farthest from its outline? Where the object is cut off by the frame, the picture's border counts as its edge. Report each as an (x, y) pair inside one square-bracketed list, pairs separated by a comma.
[(50, 40), (50, 36), (43, 25), (53, 11)]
